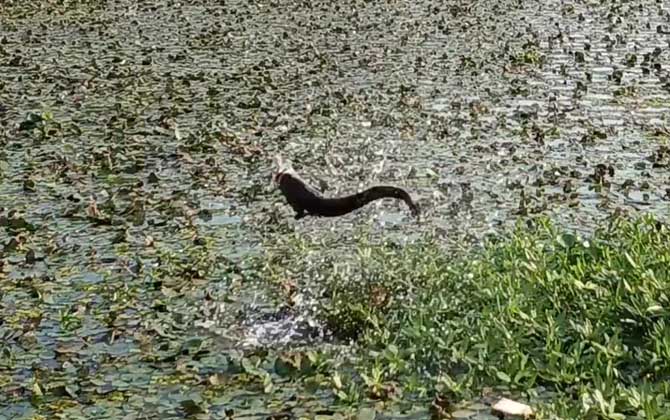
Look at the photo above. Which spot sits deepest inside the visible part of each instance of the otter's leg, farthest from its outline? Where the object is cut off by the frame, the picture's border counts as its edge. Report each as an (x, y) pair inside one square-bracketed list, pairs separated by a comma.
[(299, 214)]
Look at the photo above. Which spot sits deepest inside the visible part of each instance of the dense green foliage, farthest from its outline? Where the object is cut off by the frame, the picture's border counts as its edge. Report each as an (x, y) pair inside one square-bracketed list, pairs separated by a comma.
[(581, 323)]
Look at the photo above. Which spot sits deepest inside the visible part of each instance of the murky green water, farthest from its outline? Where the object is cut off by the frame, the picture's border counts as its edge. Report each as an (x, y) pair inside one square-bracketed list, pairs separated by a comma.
[(166, 116)]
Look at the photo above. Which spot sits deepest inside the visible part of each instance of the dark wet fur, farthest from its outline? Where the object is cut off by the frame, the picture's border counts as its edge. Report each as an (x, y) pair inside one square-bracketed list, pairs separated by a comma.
[(305, 200)]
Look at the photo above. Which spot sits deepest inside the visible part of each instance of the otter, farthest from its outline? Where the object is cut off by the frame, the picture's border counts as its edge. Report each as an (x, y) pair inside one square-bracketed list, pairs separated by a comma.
[(306, 200)]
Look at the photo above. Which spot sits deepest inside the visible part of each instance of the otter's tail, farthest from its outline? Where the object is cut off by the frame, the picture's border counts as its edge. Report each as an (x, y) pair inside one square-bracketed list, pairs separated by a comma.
[(331, 207)]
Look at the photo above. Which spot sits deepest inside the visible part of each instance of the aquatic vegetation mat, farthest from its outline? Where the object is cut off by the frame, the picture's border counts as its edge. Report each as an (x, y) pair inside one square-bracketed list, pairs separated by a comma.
[(141, 243)]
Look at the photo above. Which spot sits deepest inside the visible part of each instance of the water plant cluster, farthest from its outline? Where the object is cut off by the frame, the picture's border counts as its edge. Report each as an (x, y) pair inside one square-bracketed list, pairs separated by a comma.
[(577, 324), (148, 269)]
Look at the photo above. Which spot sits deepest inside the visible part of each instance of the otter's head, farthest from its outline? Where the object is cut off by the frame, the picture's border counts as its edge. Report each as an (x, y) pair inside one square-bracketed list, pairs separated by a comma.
[(283, 168)]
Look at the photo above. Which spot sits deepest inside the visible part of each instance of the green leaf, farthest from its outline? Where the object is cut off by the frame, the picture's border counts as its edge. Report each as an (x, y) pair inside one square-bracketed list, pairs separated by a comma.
[(366, 413), (503, 376), (191, 407)]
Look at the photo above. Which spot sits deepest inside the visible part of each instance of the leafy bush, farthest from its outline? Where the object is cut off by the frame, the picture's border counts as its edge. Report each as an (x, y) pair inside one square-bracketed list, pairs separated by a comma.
[(586, 319)]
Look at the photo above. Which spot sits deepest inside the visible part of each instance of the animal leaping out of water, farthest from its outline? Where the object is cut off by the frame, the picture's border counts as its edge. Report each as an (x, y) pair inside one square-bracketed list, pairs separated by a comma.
[(306, 200)]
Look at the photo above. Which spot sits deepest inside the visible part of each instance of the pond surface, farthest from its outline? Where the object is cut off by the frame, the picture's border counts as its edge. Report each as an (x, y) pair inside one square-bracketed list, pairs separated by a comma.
[(137, 142)]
